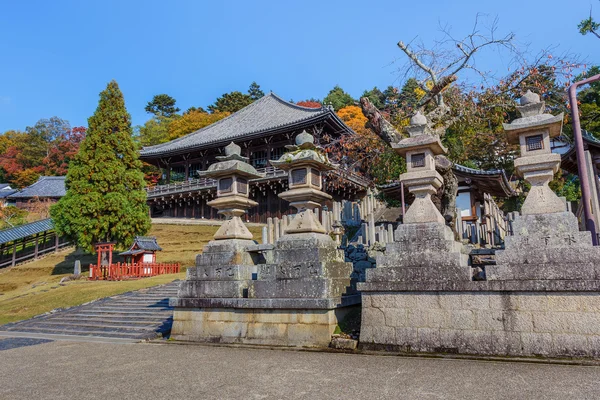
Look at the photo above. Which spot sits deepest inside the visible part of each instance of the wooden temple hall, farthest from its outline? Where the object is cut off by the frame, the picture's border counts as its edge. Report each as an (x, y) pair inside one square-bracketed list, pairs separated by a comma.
[(262, 129)]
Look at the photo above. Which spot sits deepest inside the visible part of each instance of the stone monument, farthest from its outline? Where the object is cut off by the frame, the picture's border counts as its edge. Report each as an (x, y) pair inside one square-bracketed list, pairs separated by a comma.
[(297, 298), (547, 243), (424, 247), (541, 299), (224, 268)]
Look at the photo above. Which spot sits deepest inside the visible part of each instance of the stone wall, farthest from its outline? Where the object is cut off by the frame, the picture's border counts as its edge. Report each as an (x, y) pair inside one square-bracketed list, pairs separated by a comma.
[(551, 324), (279, 327)]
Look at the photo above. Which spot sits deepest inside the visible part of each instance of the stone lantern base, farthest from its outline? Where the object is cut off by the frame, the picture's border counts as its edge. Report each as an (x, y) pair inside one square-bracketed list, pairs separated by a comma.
[(297, 300)]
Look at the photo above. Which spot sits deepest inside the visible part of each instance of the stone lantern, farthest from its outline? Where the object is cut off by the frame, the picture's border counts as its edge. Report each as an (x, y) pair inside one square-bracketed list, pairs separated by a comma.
[(304, 164), (232, 173), (421, 178), (537, 164)]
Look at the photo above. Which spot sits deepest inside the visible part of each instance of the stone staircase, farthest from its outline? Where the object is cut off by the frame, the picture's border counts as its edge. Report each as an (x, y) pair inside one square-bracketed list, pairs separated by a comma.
[(140, 315)]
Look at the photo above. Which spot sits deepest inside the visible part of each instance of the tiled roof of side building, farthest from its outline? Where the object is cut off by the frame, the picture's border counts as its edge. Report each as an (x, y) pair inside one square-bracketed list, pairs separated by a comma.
[(46, 186), (4, 186), (5, 193), (19, 232), (147, 243), (266, 114)]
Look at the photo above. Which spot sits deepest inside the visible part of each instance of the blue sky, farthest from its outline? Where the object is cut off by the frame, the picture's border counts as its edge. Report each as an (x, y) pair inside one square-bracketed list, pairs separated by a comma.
[(56, 56)]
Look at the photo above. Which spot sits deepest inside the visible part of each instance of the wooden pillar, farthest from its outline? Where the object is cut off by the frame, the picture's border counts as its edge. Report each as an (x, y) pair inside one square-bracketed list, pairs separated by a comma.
[(14, 253), (168, 173), (36, 248), (56, 239), (187, 170)]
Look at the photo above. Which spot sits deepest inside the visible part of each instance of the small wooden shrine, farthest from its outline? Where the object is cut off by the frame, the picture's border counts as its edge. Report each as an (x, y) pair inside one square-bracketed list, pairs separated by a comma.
[(140, 261), (143, 250)]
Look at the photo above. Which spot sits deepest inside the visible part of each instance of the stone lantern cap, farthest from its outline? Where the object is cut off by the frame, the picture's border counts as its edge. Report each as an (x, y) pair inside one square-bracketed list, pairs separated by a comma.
[(533, 118), (304, 153), (420, 138), (232, 163)]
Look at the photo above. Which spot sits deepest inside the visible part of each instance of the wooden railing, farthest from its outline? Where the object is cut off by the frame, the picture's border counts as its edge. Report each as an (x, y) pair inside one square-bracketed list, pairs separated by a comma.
[(120, 271), (270, 172)]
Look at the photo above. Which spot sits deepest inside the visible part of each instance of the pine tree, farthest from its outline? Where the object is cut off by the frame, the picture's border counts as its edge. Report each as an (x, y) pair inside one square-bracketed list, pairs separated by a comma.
[(255, 92), (105, 200), (338, 98)]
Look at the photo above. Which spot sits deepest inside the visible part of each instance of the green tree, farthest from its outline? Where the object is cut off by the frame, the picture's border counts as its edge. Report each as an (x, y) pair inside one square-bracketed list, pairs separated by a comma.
[(589, 25), (162, 105), (255, 92), (192, 109), (105, 198), (590, 103), (231, 102), (154, 131), (376, 96), (338, 98), (410, 94)]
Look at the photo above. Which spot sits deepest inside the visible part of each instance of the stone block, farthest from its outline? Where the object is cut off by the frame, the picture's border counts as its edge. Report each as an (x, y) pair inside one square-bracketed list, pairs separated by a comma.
[(503, 301), (343, 343), (490, 320), (451, 341), (518, 321), (563, 301), (372, 317), (428, 339), (450, 301), (310, 334), (475, 301), (437, 318), (406, 337), (462, 319), (417, 318), (427, 300), (536, 344), (395, 317), (208, 289), (477, 342), (590, 302), (532, 302), (383, 334), (570, 345)]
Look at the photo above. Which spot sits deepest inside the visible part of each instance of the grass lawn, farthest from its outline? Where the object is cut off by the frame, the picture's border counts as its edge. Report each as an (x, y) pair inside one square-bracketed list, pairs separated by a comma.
[(33, 288)]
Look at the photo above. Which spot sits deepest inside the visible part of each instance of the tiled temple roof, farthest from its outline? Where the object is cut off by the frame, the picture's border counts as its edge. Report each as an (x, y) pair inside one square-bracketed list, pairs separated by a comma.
[(46, 186), (268, 114), (494, 181)]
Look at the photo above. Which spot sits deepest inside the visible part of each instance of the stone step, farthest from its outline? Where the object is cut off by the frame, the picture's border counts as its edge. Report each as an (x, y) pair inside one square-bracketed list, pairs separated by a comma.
[(150, 317), (131, 316), (137, 308), (132, 313), (84, 332), (62, 325), (128, 305), (111, 320)]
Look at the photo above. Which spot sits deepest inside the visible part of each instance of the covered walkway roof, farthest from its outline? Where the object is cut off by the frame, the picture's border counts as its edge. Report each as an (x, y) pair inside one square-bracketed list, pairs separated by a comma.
[(23, 231)]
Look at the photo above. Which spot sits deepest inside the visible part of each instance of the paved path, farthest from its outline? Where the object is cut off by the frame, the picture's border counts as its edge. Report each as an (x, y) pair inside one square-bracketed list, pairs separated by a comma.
[(129, 317), (72, 370)]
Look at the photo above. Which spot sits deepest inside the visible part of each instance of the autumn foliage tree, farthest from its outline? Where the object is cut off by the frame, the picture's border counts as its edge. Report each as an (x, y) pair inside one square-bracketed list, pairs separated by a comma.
[(44, 149), (364, 150), (192, 121)]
